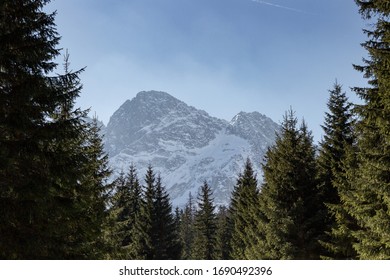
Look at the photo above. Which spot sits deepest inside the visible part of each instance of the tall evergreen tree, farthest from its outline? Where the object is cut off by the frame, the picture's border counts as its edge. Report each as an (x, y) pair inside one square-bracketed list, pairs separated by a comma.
[(164, 239), (95, 192), (341, 244), (135, 203), (338, 129), (223, 234), (48, 179), (369, 203), (25, 99), (154, 235), (187, 229), (204, 247), (116, 221), (126, 206), (142, 233), (338, 139), (289, 221), (177, 241), (244, 200)]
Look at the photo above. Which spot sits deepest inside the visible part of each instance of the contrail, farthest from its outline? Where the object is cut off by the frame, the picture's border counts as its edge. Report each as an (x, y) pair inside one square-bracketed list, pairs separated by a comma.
[(279, 6)]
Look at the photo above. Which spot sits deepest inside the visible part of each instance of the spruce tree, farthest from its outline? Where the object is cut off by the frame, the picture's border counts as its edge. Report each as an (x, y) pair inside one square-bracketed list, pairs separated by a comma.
[(204, 247), (338, 133), (369, 203), (126, 206), (95, 191), (142, 233), (223, 234), (135, 202), (26, 99), (338, 139), (154, 235), (341, 244), (289, 219), (164, 239), (177, 237), (115, 222), (244, 200), (51, 190), (187, 228)]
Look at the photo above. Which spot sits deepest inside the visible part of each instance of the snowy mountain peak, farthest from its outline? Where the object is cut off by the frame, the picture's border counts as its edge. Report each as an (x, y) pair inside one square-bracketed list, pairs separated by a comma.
[(147, 106), (158, 100), (244, 117), (154, 95), (255, 127), (185, 144)]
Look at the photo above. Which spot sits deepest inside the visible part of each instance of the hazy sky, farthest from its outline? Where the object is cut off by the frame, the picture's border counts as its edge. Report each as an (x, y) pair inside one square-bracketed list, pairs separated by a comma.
[(222, 56)]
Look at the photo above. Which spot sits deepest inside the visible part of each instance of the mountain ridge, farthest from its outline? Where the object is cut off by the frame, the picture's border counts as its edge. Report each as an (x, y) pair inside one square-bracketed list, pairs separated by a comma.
[(184, 144)]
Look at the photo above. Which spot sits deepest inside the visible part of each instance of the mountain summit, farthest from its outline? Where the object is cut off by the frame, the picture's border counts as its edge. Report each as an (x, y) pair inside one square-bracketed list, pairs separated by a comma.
[(186, 145), (153, 118)]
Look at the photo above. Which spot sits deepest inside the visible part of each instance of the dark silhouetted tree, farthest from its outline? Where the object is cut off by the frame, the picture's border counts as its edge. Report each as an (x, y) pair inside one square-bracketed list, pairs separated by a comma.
[(52, 168)]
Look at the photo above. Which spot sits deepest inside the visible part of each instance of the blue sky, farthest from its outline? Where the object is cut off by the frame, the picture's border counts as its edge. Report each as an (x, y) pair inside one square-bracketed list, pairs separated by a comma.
[(222, 56)]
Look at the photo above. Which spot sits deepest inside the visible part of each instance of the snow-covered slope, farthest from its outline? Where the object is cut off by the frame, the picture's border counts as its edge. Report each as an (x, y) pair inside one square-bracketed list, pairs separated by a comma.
[(185, 145)]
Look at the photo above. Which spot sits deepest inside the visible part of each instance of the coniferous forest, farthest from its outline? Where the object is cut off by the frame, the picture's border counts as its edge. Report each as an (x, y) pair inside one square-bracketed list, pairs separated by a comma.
[(325, 201)]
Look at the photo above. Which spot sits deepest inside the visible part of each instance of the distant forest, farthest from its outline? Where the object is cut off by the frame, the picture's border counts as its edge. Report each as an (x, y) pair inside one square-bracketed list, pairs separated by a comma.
[(325, 201)]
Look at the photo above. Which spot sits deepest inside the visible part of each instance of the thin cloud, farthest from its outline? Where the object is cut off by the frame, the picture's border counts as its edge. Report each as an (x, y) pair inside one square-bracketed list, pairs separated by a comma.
[(280, 6)]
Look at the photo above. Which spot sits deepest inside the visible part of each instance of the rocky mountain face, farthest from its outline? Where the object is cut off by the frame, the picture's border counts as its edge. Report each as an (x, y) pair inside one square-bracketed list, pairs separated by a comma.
[(185, 145)]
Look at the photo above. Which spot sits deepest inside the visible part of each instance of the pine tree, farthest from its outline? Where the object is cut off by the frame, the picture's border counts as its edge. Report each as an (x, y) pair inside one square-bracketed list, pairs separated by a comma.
[(177, 226), (164, 238), (48, 179), (126, 206), (338, 138), (369, 204), (342, 240), (244, 200), (223, 234), (25, 99), (204, 247), (187, 229), (116, 222), (135, 203), (289, 221), (338, 134), (154, 235), (96, 190), (142, 233)]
